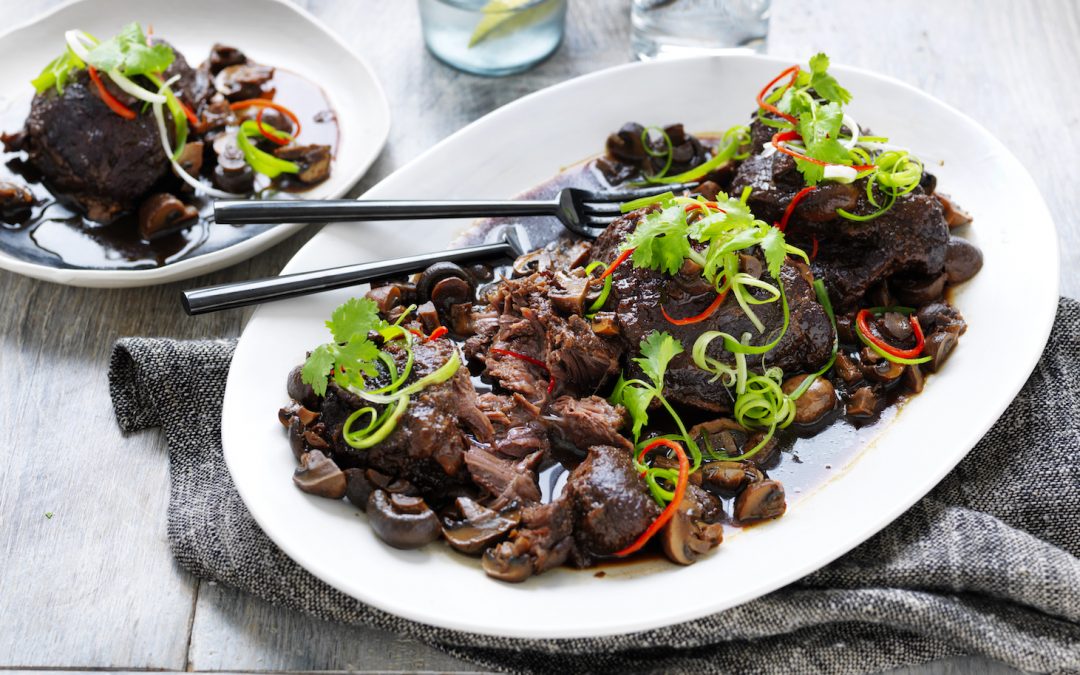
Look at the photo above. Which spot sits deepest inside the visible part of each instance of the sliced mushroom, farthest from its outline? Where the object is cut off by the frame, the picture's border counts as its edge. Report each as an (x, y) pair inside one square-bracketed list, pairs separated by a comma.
[(505, 563), (314, 161), (385, 297), (318, 475), (462, 319), (941, 316), (863, 403), (914, 379), (533, 261), (428, 316), (760, 501), (569, 293), (729, 477), (962, 260), (479, 526), (314, 440), (939, 346), (845, 329), (817, 401), (242, 81), (847, 368), (402, 521), (878, 369), (954, 215), (307, 417), (232, 173), (626, 144), (605, 324), (687, 536), (191, 157), (296, 438), (161, 212), (222, 56), (896, 324), (395, 486), (286, 414)]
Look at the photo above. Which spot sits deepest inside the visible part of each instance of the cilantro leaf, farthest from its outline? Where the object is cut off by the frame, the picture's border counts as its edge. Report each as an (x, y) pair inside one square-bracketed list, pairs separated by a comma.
[(820, 129), (356, 317), (824, 84), (775, 250), (657, 350), (636, 400), (660, 242), (317, 368), (129, 52), (734, 215)]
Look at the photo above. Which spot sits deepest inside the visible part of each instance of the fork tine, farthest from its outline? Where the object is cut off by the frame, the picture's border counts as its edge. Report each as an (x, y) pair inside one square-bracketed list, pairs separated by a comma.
[(599, 221), (602, 208), (637, 193)]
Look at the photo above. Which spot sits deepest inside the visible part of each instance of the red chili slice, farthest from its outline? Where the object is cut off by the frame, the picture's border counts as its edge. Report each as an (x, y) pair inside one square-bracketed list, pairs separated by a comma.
[(529, 359), (794, 72), (698, 205), (697, 318), (115, 105), (813, 249), (673, 505), (437, 333), (862, 320), (267, 103), (262, 130), (782, 225), (618, 261)]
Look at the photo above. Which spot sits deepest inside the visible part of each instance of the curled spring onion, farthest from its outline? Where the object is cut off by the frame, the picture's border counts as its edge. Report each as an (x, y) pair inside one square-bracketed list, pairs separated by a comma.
[(896, 174), (598, 304), (159, 115), (730, 148), (668, 152), (907, 357), (262, 162), (377, 429), (438, 376)]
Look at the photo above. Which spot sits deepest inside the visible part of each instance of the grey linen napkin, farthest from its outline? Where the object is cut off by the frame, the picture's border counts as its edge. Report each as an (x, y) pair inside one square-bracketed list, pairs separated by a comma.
[(988, 563)]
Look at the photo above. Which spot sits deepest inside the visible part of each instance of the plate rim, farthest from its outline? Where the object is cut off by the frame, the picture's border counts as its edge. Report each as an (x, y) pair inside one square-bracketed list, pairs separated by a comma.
[(230, 255), (916, 489)]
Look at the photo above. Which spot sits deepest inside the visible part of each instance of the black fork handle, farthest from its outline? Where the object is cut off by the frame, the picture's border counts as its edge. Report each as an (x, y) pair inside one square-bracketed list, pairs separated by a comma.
[(242, 212), (255, 291)]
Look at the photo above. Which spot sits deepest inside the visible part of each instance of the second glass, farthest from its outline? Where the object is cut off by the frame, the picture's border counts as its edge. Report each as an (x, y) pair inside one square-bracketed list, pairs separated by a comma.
[(663, 28)]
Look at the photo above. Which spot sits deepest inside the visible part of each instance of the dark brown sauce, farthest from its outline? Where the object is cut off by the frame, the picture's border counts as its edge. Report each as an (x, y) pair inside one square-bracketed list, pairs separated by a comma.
[(56, 236)]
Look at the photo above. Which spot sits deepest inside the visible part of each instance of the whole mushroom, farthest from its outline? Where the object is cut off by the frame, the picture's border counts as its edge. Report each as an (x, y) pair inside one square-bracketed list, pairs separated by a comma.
[(402, 521), (759, 501), (816, 402), (479, 526), (318, 475), (688, 535)]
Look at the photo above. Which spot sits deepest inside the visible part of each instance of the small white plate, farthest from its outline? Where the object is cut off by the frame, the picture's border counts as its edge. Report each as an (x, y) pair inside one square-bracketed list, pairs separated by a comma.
[(270, 31), (526, 143)]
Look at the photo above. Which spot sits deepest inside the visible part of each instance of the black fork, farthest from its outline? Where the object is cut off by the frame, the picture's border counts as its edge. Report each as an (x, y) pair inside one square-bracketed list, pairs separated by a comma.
[(584, 212)]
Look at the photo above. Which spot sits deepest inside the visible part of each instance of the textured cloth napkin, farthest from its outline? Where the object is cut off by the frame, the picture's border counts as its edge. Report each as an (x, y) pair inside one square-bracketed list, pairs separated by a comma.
[(988, 563)]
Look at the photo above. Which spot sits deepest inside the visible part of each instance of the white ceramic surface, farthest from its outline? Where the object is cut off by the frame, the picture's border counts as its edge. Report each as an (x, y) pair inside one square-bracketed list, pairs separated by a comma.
[(193, 26), (564, 124)]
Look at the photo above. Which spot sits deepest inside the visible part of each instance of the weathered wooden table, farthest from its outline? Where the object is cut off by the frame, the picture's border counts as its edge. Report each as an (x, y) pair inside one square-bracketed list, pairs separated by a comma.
[(95, 585)]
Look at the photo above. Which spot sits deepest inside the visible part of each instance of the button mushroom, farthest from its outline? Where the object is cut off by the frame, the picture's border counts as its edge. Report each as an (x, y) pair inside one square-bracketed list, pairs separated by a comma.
[(962, 260), (161, 212), (296, 438), (440, 271), (384, 297), (919, 290), (914, 379), (402, 521), (318, 475), (428, 316), (954, 216), (191, 157), (605, 324), (760, 501), (301, 392), (687, 537), (222, 56), (358, 488), (863, 403), (479, 526), (816, 402), (939, 345)]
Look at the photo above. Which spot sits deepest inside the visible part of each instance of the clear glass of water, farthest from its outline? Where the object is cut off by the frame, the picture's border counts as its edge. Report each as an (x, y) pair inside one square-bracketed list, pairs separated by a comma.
[(672, 28), (492, 37)]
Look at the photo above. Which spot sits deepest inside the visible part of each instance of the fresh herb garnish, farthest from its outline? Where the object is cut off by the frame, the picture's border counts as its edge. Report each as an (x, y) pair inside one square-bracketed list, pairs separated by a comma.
[(810, 120), (129, 53), (636, 395), (352, 356), (48, 515)]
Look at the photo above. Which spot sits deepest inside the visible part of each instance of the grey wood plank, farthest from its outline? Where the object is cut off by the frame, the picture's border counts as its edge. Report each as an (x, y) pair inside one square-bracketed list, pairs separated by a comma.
[(233, 631)]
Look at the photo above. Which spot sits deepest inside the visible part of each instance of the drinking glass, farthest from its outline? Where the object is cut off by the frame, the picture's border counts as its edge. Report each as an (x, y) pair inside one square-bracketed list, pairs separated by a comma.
[(492, 37), (663, 28)]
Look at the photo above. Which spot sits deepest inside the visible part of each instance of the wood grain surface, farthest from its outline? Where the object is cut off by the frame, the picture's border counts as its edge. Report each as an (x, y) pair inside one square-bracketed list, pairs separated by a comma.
[(94, 586)]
